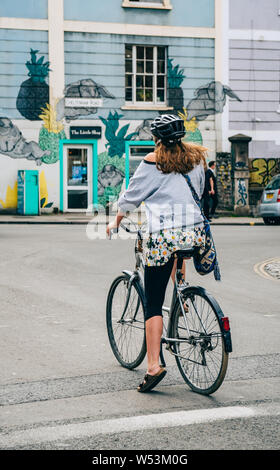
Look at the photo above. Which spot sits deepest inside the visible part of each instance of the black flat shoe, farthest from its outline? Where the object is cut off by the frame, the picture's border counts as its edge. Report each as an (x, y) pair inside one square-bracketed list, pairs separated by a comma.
[(150, 381)]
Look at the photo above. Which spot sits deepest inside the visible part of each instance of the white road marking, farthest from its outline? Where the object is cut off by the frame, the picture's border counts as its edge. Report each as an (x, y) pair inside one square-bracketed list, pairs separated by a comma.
[(131, 424)]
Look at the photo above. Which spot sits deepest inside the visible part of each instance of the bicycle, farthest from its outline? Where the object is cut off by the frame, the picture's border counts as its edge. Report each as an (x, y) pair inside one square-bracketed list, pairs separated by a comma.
[(197, 333)]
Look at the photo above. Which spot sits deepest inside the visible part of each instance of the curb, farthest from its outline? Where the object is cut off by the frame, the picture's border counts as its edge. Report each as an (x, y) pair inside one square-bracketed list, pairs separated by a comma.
[(72, 222)]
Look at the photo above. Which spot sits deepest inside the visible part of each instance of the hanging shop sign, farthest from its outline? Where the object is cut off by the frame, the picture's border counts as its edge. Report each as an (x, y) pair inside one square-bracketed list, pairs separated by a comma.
[(85, 132)]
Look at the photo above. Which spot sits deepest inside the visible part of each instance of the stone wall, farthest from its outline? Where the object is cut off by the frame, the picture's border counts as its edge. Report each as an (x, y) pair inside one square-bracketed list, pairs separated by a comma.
[(224, 180)]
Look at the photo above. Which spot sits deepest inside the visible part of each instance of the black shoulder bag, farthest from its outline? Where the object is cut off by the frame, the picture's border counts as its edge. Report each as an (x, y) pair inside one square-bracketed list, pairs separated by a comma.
[(205, 258)]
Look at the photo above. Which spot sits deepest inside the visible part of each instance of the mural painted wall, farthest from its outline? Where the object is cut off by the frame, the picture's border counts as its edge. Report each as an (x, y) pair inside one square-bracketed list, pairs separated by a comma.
[(32, 103), (24, 101), (31, 128)]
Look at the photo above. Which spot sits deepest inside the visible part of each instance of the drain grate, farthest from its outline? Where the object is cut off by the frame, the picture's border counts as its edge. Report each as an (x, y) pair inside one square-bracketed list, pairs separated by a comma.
[(273, 269), (269, 268)]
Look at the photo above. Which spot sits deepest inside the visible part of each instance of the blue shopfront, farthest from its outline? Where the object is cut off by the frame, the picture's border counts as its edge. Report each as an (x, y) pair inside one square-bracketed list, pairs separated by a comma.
[(80, 179), (78, 174)]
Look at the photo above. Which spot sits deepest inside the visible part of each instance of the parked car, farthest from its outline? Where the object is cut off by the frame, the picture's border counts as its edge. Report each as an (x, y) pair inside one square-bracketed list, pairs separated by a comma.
[(269, 208)]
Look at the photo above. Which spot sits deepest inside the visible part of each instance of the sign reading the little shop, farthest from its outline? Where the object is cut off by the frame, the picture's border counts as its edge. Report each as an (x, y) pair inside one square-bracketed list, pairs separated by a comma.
[(85, 132)]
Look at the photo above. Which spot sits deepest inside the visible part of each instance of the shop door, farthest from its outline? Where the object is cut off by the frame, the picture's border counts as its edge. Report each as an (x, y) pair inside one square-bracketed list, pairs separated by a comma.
[(77, 177)]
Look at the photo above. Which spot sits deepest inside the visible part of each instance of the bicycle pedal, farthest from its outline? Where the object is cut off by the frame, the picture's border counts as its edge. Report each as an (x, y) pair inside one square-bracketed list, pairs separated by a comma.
[(170, 348)]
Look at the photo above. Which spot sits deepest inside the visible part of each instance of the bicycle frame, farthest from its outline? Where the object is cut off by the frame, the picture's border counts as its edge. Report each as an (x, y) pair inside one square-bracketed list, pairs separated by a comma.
[(194, 319), (136, 276)]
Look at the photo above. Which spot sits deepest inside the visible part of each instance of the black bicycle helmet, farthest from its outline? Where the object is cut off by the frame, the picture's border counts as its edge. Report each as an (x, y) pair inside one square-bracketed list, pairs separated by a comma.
[(168, 128)]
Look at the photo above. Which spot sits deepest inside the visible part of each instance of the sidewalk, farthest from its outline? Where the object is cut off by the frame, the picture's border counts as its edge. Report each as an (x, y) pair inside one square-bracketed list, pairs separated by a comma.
[(83, 219)]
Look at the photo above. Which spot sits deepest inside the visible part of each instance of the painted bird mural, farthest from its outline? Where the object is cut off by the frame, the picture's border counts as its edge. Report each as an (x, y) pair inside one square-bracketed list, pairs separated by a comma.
[(14, 144), (86, 88), (209, 99)]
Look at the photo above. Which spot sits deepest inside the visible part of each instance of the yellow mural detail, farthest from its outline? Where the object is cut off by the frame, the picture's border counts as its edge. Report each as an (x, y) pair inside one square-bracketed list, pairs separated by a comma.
[(49, 118), (191, 125), (50, 134), (43, 189), (11, 198)]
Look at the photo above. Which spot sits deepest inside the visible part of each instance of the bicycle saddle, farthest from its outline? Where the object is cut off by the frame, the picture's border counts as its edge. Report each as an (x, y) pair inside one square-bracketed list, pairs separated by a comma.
[(184, 253)]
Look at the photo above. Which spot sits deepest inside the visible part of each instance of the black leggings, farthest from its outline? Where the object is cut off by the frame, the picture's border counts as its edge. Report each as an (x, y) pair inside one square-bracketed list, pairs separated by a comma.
[(155, 280)]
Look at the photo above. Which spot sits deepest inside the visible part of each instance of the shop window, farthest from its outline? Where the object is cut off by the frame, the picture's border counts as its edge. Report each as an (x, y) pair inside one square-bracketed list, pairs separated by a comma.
[(135, 151), (136, 155)]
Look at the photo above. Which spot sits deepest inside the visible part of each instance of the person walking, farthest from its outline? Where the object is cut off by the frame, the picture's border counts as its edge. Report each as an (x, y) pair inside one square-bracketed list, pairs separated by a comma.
[(174, 221), (210, 195)]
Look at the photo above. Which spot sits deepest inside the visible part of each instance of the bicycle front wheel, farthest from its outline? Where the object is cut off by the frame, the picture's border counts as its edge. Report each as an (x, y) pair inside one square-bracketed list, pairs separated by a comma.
[(200, 354), (125, 322)]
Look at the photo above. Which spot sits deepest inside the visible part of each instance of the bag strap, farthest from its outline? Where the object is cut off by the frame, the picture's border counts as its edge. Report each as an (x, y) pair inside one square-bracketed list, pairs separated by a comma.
[(217, 274), (195, 196)]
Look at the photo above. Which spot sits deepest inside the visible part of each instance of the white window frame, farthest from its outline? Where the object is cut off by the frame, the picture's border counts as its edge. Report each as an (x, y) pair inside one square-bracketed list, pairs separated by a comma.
[(147, 104), (165, 5)]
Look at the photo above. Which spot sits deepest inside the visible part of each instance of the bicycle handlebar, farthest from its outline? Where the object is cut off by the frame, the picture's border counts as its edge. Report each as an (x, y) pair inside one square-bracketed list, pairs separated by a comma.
[(127, 229)]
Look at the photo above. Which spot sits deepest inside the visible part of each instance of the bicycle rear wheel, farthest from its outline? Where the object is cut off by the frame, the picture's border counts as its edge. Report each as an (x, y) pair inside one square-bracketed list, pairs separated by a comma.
[(126, 331), (201, 358)]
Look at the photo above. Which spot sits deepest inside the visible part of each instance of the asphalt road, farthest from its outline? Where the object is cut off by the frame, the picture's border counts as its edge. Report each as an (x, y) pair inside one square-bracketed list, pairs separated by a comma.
[(60, 386)]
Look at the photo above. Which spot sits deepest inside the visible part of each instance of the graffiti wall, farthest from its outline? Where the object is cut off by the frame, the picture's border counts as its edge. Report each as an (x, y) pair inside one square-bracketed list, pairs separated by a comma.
[(224, 180), (262, 170)]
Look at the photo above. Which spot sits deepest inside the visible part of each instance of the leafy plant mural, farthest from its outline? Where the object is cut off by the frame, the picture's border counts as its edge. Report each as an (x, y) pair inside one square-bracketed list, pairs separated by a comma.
[(115, 140), (175, 76), (34, 92), (111, 165), (50, 134)]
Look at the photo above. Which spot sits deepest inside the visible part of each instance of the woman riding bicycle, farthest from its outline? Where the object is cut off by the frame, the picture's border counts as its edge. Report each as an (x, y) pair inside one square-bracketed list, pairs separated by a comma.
[(174, 221)]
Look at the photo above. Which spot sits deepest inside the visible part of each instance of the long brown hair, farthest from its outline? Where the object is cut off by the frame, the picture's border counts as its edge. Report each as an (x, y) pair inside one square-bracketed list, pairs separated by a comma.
[(181, 157)]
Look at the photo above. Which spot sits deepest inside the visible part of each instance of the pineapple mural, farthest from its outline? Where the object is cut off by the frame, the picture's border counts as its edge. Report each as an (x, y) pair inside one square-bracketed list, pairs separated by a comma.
[(50, 134), (175, 92), (193, 134), (34, 92)]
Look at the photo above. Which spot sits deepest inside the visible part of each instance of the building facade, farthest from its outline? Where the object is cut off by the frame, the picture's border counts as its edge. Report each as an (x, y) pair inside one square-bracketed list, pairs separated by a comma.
[(81, 81), (254, 74)]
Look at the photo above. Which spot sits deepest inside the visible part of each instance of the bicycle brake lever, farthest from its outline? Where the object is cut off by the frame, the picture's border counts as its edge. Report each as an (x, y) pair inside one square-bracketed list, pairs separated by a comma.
[(113, 230)]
